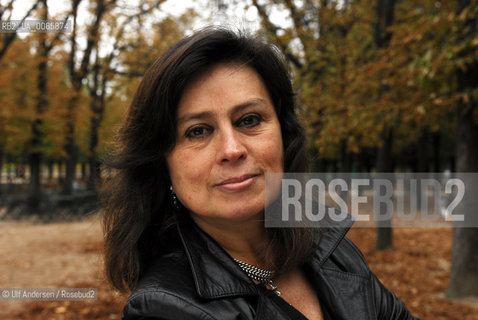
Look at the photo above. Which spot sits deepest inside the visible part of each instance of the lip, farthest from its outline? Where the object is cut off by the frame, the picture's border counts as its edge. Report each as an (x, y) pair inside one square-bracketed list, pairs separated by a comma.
[(238, 183)]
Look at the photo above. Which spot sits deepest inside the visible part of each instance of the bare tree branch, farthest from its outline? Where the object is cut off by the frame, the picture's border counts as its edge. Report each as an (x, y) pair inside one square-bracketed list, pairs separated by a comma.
[(129, 74), (3, 9), (272, 29), (9, 37)]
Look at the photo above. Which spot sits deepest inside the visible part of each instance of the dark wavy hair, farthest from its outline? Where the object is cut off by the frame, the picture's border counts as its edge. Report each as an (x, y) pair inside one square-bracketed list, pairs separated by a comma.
[(137, 206)]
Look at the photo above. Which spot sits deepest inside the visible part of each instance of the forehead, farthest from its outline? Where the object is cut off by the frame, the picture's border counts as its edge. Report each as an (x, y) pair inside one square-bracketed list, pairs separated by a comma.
[(222, 86)]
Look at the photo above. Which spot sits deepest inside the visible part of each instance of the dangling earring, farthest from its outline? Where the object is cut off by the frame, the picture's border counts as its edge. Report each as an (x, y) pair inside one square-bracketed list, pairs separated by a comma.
[(173, 195)]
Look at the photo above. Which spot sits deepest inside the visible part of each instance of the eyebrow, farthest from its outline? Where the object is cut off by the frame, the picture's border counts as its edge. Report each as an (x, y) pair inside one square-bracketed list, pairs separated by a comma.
[(238, 108)]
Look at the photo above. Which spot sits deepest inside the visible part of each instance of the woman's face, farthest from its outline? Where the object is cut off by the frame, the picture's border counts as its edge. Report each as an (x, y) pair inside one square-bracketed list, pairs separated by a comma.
[(228, 137)]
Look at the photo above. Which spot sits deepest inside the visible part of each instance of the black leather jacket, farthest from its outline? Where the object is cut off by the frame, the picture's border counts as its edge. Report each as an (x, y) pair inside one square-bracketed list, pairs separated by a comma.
[(199, 280)]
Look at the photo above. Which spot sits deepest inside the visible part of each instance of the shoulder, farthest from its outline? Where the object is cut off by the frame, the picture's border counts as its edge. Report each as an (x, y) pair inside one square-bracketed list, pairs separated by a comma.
[(336, 252), (349, 258), (166, 291), (349, 269)]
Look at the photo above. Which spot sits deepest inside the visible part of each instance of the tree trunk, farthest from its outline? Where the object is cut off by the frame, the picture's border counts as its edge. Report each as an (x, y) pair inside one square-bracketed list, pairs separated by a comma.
[(50, 171), (316, 164), (1, 169), (83, 171), (61, 175), (422, 151), (76, 76), (70, 160), (436, 138), (8, 162), (69, 146), (34, 190), (97, 107), (385, 164), (35, 157), (422, 163), (365, 160), (464, 270), (94, 175), (385, 15), (345, 158)]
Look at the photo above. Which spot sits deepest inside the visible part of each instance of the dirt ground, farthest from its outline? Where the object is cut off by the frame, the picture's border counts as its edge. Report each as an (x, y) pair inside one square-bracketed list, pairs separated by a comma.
[(58, 255), (35, 255)]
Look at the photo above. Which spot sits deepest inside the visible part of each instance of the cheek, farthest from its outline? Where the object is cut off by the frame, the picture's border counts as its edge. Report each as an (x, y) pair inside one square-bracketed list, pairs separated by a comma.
[(271, 155), (275, 152), (188, 174)]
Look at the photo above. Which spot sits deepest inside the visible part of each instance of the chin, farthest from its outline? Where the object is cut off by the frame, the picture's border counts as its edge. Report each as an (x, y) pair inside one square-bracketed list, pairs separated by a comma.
[(244, 213), (231, 210)]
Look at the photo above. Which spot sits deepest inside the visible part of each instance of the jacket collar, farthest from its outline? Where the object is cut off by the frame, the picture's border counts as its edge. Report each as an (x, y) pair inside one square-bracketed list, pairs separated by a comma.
[(217, 275), (330, 234), (209, 262)]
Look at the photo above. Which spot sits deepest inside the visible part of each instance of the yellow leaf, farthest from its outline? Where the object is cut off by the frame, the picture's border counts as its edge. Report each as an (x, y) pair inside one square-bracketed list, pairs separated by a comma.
[(61, 309)]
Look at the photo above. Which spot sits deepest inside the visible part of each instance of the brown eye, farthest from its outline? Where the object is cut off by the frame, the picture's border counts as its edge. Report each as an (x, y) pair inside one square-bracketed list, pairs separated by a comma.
[(198, 131), (249, 121)]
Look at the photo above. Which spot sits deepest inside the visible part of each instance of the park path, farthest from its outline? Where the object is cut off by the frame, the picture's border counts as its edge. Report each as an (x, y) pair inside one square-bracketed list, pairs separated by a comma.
[(48, 255)]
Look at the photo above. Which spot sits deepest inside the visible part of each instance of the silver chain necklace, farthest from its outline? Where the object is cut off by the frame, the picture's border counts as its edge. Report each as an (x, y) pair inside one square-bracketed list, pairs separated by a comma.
[(263, 276)]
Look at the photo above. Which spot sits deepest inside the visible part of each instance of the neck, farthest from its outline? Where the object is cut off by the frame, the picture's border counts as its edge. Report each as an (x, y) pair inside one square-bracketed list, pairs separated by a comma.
[(245, 240)]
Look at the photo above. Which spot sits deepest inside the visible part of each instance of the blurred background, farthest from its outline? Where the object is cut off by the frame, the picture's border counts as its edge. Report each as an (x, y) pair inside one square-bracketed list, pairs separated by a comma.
[(382, 85)]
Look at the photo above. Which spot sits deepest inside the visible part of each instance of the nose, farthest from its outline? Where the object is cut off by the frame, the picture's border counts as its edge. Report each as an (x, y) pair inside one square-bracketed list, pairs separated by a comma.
[(230, 148)]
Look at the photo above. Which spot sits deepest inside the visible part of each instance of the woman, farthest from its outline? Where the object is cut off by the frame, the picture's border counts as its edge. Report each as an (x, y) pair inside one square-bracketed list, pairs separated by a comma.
[(184, 211)]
